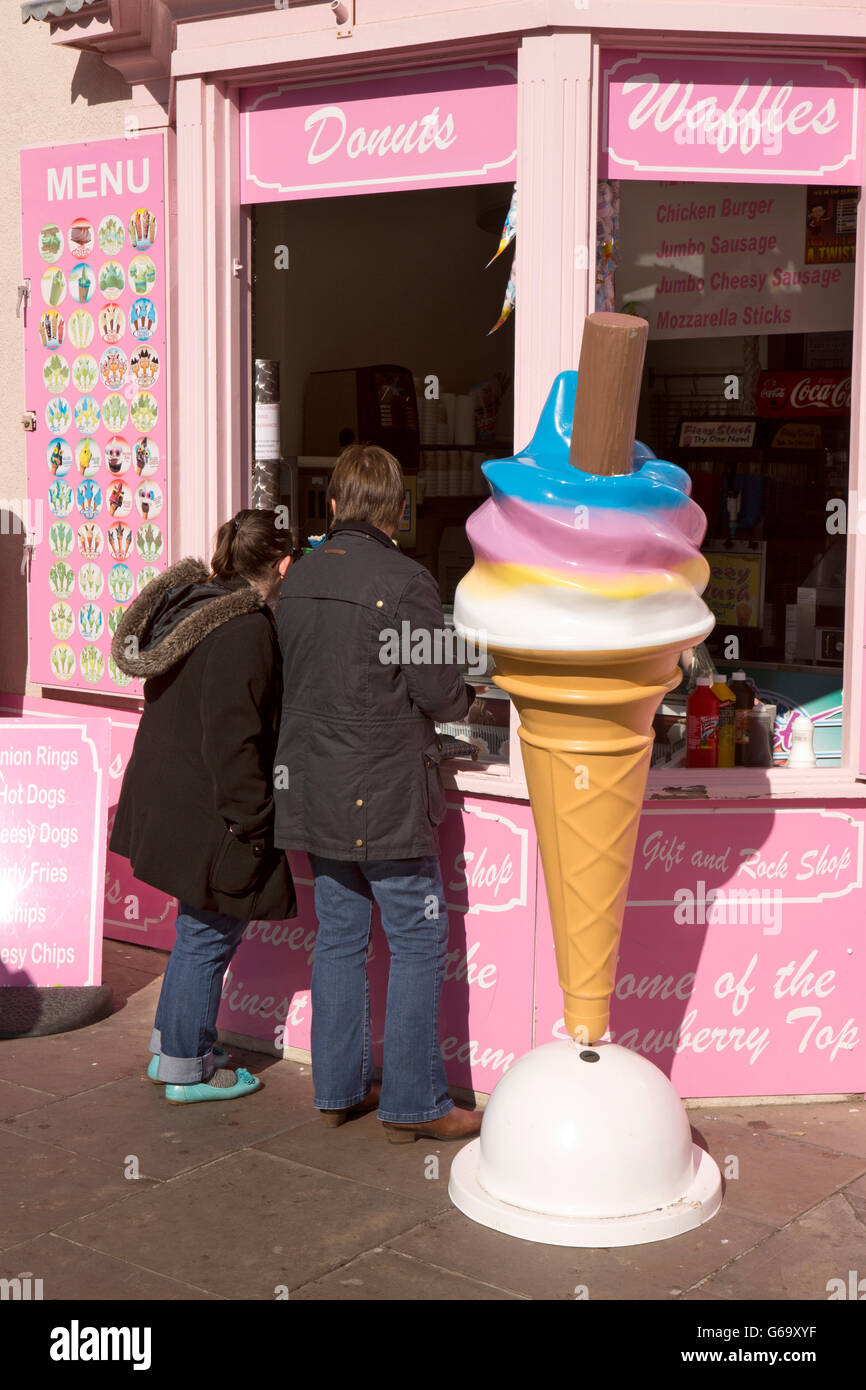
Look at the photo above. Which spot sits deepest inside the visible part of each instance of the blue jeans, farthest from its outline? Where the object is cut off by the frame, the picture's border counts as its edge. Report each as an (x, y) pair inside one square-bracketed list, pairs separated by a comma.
[(412, 905), (185, 1027)]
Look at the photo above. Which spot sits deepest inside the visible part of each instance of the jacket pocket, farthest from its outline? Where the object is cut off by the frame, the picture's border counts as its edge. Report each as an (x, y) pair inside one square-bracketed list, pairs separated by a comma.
[(238, 864), (437, 808)]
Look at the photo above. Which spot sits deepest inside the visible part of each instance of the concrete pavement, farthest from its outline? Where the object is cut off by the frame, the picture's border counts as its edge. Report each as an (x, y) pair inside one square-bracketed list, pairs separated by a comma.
[(110, 1193)]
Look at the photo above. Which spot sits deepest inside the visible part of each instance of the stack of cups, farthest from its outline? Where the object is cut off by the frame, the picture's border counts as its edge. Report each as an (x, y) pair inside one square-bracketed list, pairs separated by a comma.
[(467, 461), (464, 422), (428, 420), (434, 474), (448, 401), (454, 457)]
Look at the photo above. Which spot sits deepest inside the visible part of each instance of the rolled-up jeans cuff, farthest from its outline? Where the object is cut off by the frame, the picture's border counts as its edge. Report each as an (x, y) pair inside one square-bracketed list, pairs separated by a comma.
[(420, 1117), (181, 1071)]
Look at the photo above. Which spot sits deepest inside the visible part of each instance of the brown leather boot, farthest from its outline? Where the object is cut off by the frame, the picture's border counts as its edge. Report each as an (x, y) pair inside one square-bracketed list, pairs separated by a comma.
[(457, 1124), (332, 1118)]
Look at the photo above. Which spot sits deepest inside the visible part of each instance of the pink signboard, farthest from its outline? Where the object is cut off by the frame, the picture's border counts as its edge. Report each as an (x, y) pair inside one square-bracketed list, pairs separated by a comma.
[(429, 128), (751, 119), (133, 911), (488, 872), (95, 375), (53, 790), (740, 969)]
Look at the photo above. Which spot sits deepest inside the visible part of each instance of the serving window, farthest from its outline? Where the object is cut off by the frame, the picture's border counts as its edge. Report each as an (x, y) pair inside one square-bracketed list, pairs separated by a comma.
[(749, 295), (373, 323)]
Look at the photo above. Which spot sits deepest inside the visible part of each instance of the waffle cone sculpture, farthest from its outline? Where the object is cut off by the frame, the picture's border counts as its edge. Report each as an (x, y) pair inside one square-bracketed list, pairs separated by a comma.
[(586, 738), (585, 590)]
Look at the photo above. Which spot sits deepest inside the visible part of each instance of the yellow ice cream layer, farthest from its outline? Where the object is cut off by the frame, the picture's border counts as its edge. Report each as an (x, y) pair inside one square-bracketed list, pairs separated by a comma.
[(487, 578)]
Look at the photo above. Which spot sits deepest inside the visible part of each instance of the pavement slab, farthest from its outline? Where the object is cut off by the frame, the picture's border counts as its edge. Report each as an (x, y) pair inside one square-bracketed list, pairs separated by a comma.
[(839, 1125), (131, 1117), (44, 1187), (797, 1263), (70, 1273), (66, 1064), (385, 1276), (856, 1195), (15, 1100), (359, 1150), (772, 1178), (657, 1271), (248, 1225)]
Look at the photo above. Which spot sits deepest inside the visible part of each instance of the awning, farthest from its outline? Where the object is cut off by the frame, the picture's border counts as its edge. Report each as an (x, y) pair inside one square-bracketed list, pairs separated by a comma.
[(51, 9)]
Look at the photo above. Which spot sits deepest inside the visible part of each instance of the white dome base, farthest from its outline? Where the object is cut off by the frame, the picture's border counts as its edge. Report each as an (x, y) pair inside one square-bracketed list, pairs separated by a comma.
[(585, 1146)]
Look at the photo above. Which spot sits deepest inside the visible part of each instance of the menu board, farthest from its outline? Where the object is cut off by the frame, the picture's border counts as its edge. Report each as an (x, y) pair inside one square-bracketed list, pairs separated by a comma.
[(717, 434), (53, 809), (831, 225), (96, 378), (718, 260), (735, 591)]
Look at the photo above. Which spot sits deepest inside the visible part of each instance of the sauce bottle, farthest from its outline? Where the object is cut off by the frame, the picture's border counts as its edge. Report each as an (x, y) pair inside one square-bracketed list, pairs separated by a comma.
[(802, 743), (744, 701), (702, 725), (727, 723)]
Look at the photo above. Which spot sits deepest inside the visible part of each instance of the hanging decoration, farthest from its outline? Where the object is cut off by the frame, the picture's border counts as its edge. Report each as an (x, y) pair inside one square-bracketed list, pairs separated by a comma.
[(509, 232), (510, 298), (606, 243)]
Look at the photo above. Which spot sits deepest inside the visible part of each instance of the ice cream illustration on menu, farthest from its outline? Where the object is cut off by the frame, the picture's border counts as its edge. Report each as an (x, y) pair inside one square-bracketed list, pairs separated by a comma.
[(142, 229), (585, 588)]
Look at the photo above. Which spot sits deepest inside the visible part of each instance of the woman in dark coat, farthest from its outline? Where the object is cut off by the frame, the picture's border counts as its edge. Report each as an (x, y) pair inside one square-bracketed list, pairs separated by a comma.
[(196, 810)]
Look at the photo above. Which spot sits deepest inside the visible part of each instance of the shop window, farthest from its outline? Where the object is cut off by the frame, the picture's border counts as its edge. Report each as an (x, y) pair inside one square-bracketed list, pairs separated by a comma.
[(749, 296), (378, 311)]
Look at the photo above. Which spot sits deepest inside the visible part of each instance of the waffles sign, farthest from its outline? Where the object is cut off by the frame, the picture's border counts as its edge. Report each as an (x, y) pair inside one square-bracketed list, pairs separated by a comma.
[(760, 120)]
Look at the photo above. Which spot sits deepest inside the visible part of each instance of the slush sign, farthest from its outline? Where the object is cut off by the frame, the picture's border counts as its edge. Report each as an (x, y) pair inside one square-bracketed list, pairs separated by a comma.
[(699, 117)]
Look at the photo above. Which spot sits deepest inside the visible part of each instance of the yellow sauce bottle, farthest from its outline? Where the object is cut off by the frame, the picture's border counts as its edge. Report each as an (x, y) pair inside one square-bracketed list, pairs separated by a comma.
[(727, 727)]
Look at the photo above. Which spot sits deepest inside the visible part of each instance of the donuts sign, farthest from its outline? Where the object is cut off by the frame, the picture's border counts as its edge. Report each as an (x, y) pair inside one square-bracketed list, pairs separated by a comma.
[(431, 128)]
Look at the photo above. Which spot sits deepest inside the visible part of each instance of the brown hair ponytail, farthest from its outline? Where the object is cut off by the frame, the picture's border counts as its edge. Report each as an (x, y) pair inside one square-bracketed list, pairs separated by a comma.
[(249, 545)]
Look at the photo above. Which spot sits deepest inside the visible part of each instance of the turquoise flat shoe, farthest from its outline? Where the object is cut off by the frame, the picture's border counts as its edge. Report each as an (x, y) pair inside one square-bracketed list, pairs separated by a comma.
[(220, 1056), (186, 1095)]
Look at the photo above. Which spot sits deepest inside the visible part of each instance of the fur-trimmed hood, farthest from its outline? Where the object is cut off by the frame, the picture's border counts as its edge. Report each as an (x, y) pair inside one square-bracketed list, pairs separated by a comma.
[(174, 613)]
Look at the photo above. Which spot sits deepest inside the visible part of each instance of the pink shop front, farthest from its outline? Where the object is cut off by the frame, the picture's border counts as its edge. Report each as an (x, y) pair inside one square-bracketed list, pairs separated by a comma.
[(319, 242)]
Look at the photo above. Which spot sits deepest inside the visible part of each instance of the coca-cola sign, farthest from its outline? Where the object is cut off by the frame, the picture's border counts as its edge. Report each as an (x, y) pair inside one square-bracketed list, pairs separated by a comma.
[(698, 117), (818, 394)]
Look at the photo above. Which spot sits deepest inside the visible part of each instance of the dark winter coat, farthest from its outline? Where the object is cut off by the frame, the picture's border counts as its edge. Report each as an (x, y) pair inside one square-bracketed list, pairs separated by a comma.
[(357, 773), (195, 816)]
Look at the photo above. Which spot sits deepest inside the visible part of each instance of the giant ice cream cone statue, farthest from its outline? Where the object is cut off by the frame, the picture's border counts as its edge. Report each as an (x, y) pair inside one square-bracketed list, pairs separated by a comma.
[(586, 736), (585, 588)]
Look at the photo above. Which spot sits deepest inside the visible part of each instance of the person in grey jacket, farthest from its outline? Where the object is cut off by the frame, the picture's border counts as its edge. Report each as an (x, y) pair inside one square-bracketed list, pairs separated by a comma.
[(358, 787)]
